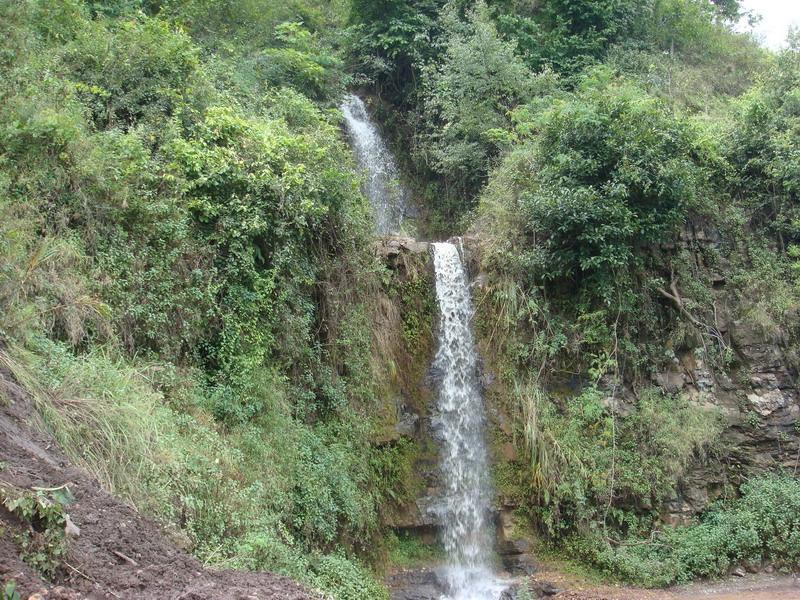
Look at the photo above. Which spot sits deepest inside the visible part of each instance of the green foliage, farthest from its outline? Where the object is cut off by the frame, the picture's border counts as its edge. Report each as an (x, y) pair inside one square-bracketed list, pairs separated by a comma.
[(607, 172), (10, 591), (297, 485), (349, 579), (344, 577), (694, 77), (43, 543), (184, 270), (761, 527), (590, 466), (418, 305), (763, 146), (407, 551), (468, 95), (300, 61), (393, 468), (133, 71), (389, 40), (524, 592), (570, 35)]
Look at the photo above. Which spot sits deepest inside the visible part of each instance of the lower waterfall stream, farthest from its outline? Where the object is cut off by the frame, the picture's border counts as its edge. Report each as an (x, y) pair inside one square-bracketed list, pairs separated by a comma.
[(464, 513)]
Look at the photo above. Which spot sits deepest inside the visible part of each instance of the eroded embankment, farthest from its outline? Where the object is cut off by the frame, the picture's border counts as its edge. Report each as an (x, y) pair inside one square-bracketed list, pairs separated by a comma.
[(118, 552)]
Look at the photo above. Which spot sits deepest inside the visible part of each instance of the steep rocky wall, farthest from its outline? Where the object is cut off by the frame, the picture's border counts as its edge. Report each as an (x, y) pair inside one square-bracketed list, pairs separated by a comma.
[(757, 390), (407, 324)]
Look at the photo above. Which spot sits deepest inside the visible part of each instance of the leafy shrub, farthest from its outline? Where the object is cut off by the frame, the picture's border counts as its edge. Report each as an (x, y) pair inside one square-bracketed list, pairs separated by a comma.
[(760, 527), (471, 92), (43, 542), (347, 579), (590, 467), (134, 70), (607, 174), (10, 591), (300, 62), (390, 40), (406, 551), (468, 95), (570, 35)]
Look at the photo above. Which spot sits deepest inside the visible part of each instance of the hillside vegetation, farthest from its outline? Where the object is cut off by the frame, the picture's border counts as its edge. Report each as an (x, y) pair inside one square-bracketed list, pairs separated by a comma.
[(190, 294), (185, 269)]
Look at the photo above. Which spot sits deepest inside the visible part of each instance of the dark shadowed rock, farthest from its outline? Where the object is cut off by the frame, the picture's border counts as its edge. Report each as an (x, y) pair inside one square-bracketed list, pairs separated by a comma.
[(423, 584)]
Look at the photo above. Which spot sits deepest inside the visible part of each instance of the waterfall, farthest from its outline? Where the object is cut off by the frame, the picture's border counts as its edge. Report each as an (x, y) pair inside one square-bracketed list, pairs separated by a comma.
[(381, 178), (465, 510)]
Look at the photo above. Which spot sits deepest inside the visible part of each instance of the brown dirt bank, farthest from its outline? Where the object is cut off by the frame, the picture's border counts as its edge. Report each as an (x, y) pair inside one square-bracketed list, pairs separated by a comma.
[(119, 553)]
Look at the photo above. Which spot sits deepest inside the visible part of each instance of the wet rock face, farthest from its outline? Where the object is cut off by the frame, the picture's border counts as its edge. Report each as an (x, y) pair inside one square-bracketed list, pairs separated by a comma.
[(533, 589), (423, 584), (405, 410), (758, 395), (393, 248), (514, 551)]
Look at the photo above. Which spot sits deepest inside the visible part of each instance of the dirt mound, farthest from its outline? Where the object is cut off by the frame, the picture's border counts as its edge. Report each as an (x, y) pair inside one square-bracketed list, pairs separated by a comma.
[(119, 553)]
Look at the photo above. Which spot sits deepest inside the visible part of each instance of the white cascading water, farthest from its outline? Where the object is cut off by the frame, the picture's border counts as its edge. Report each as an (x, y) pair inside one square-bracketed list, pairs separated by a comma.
[(381, 183), (465, 509)]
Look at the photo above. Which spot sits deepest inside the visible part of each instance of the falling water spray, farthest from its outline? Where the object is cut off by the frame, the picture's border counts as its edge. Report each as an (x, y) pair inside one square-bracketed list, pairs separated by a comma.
[(465, 512)]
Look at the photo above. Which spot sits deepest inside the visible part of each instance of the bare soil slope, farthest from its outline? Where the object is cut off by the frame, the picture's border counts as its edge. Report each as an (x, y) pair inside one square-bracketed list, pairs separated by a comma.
[(119, 553)]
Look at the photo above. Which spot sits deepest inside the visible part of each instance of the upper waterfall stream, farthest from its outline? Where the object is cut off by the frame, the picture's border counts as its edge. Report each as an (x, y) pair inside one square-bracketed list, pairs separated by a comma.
[(467, 532), (381, 184)]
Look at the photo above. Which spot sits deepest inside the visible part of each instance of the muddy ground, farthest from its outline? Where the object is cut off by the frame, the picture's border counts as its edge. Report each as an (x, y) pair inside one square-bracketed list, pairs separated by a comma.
[(119, 553), (750, 587), (550, 582)]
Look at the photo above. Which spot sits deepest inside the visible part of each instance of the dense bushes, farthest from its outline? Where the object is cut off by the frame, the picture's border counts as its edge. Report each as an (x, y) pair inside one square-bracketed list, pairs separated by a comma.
[(762, 527), (388, 41), (176, 227), (455, 78), (763, 147), (468, 94), (601, 175), (588, 467), (571, 35)]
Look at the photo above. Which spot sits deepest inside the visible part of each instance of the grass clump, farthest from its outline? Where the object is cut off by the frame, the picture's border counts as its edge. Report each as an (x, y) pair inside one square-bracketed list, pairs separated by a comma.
[(409, 551), (587, 466)]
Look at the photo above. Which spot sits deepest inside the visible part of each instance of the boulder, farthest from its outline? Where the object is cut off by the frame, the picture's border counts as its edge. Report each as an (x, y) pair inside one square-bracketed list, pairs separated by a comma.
[(766, 402)]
